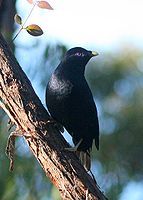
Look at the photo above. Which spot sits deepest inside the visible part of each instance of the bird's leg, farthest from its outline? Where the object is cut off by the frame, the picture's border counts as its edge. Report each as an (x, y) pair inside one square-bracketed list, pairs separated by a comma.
[(75, 148)]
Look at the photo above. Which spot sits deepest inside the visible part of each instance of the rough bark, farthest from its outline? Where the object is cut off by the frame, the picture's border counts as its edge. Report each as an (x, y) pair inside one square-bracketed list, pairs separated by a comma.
[(20, 102)]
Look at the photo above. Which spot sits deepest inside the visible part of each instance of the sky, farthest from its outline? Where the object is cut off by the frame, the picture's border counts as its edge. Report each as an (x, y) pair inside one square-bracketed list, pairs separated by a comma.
[(104, 24), (133, 191)]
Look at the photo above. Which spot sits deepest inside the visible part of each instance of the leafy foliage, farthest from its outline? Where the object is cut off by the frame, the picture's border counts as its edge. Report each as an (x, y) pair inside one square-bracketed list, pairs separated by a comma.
[(18, 19), (44, 5), (41, 4), (32, 29)]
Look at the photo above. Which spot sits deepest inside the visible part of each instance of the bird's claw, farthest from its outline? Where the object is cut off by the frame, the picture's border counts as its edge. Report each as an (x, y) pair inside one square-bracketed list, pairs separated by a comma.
[(75, 148)]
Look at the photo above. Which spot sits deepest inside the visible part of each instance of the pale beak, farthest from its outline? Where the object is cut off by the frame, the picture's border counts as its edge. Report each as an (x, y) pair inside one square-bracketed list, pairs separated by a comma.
[(94, 53)]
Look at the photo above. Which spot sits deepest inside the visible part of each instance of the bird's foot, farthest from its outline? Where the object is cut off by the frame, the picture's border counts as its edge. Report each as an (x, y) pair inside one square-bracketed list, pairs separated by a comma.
[(74, 149)]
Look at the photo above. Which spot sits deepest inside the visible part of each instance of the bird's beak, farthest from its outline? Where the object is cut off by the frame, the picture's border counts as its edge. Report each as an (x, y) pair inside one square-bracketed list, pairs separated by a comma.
[(94, 53)]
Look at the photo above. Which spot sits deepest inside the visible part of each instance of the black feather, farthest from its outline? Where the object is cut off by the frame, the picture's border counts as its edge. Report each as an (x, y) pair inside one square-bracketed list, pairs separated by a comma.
[(70, 101)]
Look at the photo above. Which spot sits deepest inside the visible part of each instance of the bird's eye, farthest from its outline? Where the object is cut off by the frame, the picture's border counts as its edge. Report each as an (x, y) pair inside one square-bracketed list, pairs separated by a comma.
[(79, 54)]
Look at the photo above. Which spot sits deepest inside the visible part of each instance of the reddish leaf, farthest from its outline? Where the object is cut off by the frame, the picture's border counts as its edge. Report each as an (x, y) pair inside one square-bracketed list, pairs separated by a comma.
[(30, 1), (17, 19), (34, 30), (44, 5)]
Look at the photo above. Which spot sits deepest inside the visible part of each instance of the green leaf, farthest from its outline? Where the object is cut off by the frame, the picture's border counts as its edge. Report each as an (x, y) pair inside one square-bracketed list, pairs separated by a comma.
[(18, 19), (34, 30)]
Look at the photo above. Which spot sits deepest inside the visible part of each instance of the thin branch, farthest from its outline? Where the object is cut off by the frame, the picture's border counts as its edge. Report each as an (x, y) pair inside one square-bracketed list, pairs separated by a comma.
[(22, 26)]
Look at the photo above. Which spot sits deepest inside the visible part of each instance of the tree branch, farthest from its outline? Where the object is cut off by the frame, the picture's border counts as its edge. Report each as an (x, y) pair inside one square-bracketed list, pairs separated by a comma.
[(20, 102)]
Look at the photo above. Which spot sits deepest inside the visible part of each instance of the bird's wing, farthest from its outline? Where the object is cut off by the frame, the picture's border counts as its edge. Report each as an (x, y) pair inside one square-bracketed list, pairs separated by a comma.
[(82, 117)]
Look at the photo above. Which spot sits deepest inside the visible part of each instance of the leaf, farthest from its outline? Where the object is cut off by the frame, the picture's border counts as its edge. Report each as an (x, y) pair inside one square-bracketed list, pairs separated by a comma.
[(44, 5), (30, 1), (17, 19), (34, 30)]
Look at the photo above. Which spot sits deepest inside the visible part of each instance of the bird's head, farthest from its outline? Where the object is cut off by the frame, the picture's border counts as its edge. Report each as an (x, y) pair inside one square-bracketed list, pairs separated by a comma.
[(79, 56), (76, 59)]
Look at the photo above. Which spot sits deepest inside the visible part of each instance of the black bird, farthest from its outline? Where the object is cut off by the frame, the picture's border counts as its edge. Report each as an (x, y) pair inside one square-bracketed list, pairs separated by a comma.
[(70, 102)]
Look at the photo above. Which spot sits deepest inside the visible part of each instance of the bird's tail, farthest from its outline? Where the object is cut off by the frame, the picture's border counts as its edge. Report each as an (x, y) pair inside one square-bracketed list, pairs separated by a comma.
[(84, 158)]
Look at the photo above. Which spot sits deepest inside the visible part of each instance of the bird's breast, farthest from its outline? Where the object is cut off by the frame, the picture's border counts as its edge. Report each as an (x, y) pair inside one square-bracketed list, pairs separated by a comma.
[(60, 88)]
